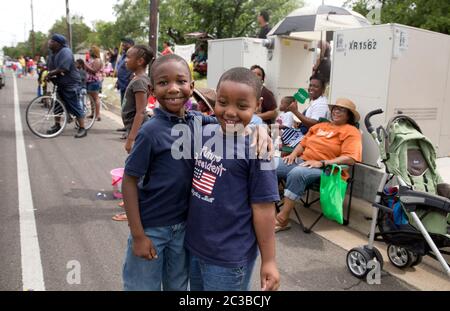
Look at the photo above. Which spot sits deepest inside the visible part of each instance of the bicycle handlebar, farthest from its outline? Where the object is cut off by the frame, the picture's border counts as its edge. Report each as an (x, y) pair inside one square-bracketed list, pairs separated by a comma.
[(367, 123)]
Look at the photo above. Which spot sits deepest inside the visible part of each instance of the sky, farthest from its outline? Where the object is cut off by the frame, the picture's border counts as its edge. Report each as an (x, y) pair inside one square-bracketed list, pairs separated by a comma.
[(15, 20)]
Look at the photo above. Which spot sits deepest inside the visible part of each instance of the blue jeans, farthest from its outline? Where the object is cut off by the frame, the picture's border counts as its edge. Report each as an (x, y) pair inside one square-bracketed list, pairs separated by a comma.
[(208, 277), (170, 269), (93, 86), (71, 97), (298, 178)]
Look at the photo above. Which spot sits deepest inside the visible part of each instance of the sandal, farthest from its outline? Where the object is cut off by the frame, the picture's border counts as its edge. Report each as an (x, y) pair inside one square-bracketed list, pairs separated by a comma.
[(120, 217), (281, 225)]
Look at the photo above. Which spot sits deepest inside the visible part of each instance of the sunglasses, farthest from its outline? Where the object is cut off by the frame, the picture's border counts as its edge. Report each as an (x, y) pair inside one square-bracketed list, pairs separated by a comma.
[(339, 109)]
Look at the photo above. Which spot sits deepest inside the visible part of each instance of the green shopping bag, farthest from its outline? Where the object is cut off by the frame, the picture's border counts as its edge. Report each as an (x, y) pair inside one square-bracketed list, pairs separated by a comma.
[(332, 193)]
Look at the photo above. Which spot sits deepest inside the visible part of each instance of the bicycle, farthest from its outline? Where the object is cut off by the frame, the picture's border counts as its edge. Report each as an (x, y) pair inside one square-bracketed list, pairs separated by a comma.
[(43, 111)]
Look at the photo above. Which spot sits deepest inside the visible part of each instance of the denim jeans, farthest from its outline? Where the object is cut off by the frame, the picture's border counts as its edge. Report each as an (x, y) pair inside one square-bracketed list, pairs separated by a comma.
[(298, 178), (93, 86), (71, 97), (170, 269), (208, 277)]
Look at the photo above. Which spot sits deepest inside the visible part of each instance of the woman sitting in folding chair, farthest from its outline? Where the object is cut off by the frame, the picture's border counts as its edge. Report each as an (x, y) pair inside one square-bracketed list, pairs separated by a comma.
[(326, 143)]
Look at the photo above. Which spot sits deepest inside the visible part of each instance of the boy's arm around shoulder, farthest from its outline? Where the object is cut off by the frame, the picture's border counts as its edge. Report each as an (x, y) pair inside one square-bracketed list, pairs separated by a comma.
[(206, 120)]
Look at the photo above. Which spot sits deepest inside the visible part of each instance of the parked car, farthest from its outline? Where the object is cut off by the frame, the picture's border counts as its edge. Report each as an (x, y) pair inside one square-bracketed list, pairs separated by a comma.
[(2, 77)]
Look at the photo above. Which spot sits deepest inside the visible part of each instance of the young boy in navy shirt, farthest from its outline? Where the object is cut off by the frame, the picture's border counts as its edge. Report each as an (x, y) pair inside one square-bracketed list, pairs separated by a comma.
[(232, 209), (156, 186)]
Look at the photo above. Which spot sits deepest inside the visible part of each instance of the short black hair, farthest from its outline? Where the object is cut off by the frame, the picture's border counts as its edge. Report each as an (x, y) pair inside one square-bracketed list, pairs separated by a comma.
[(260, 68), (168, 58), (127, 40), (264, 15), (289, 99), (320, 78), (168, 43), (244, 76), (145, 52)]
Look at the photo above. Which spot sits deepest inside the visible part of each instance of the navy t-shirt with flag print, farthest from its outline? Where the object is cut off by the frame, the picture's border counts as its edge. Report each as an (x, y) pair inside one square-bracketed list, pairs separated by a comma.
[(227, 180)]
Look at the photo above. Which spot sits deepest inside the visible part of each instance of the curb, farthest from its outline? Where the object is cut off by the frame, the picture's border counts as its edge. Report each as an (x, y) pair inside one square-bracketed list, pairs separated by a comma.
[(113, 108)]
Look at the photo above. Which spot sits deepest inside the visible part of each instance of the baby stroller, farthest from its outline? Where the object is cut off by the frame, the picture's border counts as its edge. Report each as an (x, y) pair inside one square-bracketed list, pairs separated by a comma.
[(413, 218)]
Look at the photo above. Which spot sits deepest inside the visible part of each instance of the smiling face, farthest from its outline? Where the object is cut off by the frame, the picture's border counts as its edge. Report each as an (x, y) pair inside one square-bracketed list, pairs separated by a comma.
[(315, 89), (340, 115), (172, 86), (235, 106)]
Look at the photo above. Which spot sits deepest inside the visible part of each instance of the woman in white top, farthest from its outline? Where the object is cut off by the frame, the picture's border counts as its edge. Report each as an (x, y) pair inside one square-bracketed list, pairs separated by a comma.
[(318, 105), (317, 109)]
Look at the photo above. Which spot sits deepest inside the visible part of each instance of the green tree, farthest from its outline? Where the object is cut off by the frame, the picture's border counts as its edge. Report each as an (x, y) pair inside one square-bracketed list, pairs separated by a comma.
[(236, 18), (104, 35), (25, 48), (41, 45), (427, 14), (220, 18), (21, 49), (80, 31), (132, 20)]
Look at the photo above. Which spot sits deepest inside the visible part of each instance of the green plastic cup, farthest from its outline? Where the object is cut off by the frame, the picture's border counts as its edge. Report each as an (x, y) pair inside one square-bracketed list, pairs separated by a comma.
[(301, 96)]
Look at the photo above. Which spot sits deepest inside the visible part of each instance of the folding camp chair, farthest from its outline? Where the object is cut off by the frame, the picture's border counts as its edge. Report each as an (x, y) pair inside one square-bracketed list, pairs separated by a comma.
[(307, 203)]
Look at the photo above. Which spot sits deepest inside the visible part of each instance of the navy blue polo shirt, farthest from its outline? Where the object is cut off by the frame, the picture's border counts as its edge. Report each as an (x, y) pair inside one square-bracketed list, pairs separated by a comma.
[(71, 80), (165, 174), (225, 184)]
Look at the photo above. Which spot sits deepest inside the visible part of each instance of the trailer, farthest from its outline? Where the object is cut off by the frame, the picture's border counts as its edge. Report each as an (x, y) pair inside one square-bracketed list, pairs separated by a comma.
[(400, 69), (224, 54)]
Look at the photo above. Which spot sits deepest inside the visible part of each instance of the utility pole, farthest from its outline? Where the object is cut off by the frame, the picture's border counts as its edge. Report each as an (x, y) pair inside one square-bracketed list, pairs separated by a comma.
[(33, 37), (153, 31), (69, 24)]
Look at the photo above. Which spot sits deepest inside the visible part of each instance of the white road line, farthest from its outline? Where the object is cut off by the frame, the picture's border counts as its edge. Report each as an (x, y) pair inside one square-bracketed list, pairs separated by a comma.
[(32, 275)]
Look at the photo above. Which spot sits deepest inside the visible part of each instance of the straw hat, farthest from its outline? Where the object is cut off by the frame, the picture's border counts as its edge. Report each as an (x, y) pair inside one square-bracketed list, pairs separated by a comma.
[(207, 95), (347, 103)]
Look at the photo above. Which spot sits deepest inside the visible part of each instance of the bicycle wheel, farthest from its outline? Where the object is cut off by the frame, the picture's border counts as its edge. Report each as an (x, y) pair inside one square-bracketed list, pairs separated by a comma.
[(42, 114), (89, 111)]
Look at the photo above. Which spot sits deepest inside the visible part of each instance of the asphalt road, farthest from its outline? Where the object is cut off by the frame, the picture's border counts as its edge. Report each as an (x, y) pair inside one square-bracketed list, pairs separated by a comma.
[(73, 222)]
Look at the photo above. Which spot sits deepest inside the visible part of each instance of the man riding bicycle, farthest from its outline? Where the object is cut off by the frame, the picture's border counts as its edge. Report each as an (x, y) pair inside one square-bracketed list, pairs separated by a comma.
[(67, 77)]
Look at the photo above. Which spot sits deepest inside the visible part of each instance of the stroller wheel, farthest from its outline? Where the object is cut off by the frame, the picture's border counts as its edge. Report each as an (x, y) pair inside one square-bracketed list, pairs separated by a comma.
[(379, 257), (417, 259), (399, 256), (358, 259)]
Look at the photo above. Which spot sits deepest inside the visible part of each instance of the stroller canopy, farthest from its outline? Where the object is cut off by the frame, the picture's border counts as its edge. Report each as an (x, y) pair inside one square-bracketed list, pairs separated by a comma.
[(407, 153)]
